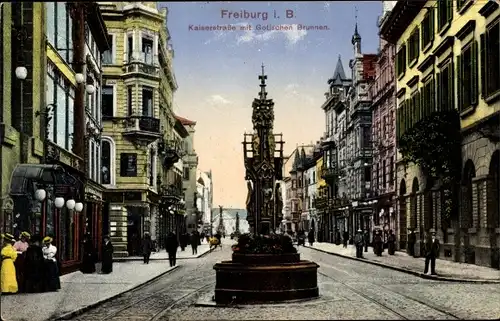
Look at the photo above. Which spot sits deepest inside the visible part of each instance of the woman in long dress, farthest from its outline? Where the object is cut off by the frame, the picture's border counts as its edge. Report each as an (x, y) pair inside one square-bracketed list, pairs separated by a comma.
[(21, 246), (107, 256), (89, 256), (51, 268), (8, 271), (34, 267)]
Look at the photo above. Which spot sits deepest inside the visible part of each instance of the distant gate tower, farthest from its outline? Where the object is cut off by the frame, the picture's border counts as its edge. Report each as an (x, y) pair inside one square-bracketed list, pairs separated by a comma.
[(263, 154)]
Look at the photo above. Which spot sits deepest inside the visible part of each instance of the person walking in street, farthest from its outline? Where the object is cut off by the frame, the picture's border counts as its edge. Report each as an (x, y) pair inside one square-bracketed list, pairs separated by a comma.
[(358, 241), (51, 267), (34, 267), (366, 239), (310, 237), (411, 243), (107, 256), (431, 249), (184, 240), (338, 237), (147, 246), (89, 255), (377, 243), (8, 280), (21, 246), (391, 243), (345, 238), (172, 244), (194, 242)]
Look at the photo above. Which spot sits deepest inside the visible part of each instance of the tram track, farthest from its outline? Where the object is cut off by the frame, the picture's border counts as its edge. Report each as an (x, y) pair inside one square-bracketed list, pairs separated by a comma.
[(377, 291)]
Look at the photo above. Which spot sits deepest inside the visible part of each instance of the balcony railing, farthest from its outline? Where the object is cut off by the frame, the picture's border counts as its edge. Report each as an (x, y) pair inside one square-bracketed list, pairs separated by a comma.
[(143, 124), (329, 173), (142, 68)]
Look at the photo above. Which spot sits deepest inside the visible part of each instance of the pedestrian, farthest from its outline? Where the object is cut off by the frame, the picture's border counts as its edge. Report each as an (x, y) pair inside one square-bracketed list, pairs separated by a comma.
[(411, 243), (391, 243), (172, 244), (51, 267), (194, 243), (431, 249), (107, 256), (310, 237), (21, 246), (89, 255), (8, 282), (377, 243), (338, 237), (359, 242), (366, 239), (34, 267), (147, 246), (345, 239)]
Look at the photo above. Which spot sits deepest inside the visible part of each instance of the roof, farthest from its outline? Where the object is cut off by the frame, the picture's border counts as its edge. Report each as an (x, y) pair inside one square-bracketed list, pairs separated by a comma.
[(338, 74), (185, 121), (399, 18)]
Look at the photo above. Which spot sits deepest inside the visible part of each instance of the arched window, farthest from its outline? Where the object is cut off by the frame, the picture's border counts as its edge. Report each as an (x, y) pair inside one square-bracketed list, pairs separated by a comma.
[(107, 162), (466, 197)]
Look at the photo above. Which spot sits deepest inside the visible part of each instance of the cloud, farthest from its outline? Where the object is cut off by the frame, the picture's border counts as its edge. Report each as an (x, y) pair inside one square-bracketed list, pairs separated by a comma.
[(218, 100), (292, 36), (293, 90)]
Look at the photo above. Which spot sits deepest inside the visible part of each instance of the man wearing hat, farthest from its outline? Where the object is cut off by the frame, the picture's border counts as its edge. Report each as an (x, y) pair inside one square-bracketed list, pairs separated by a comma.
[(8, 281), (431, 249), (358, 241)]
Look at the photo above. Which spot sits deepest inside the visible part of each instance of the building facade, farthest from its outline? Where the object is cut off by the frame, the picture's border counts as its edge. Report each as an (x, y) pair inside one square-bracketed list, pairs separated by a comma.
[(138, 119), (53, 189), (447, 83), (383, 95), (309, 217), (332, 197), (205, 195), (190, 163)]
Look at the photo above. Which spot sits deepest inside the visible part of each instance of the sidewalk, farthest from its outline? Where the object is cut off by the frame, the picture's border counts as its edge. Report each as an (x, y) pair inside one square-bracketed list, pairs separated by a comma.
[(79, 291), (400, 261), (203, 249)]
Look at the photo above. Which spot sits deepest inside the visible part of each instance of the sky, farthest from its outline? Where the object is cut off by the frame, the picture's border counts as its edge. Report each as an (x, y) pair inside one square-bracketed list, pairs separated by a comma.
[(217, 73)]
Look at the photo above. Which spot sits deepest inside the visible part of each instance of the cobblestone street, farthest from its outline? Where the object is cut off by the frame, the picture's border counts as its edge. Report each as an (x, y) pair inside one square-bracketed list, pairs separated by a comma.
[(348, 289)]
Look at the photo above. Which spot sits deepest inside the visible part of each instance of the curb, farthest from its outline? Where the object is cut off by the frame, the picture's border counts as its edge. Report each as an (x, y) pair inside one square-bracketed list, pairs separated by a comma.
[(127, 259), (408, 271), (79, 311)]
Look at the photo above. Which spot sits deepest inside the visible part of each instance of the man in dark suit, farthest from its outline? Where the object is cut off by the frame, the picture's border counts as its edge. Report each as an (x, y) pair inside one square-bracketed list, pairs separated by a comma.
[(431, 252)]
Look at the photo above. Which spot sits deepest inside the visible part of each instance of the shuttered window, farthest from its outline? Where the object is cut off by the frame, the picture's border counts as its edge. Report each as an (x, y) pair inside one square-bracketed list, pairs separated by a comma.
[(467, 77)]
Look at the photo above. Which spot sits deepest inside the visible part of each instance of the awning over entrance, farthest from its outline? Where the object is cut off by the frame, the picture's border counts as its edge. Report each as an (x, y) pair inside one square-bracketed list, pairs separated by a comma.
[(25, 177)]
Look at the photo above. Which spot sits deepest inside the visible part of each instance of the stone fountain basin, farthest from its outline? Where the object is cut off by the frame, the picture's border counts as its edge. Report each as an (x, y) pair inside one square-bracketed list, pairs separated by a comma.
[(261, 278)]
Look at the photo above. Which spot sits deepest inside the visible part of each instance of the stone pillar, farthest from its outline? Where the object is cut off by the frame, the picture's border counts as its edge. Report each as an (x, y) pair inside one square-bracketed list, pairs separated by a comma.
[(118, 219), (402, 214), (485, 239), (419, 230)]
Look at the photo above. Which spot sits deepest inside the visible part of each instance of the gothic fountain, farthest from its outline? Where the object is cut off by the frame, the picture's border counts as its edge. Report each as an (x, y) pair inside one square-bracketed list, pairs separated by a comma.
[(265, 267)]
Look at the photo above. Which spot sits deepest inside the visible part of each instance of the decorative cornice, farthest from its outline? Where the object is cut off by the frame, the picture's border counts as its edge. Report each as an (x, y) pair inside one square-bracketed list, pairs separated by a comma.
[(445, 44), (466, 29), (426, 63)]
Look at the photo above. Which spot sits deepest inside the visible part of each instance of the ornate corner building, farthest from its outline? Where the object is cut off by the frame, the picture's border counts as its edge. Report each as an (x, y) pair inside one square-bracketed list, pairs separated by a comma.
[(448, 92), (139, 145)]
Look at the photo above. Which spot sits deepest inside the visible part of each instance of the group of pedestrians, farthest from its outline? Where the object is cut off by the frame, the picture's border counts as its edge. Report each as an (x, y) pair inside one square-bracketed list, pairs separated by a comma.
[(90, 258), (172, 243), (29, 265)]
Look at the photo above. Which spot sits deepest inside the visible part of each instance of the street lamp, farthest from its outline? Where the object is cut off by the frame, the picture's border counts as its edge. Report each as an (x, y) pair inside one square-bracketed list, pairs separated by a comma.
[(70, 204), (21, 73), (40, 195), (59, 202), (79, 78), (79, 207)]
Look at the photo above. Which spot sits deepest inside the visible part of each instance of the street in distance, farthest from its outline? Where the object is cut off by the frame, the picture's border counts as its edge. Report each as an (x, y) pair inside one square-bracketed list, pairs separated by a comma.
[(258, 27)]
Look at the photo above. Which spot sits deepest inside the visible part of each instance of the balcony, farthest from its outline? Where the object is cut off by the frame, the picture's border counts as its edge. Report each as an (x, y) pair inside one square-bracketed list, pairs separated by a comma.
[(330, 174), (171, 152), (142, 127)]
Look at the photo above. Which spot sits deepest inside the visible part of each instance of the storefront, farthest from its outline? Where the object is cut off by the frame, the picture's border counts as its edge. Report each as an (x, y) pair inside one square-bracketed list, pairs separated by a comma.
[(47, 200)]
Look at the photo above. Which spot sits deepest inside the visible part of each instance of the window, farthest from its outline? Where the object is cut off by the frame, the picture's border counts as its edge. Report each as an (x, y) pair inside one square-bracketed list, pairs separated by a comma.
[(128, 165), (59, 30), (445, 13), (147, 51), (186, 173), (460, 4), (414, 46), (428, 102), (108, 57), (401, 61), (490, 64), (384, 177), (108, 100), (467, 78), (152, 166), (130, 108), (445, 88), (62, 95), (427, 29), (367, 137), (107, 164), (147, 101), (130, 47), (67, 230)]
